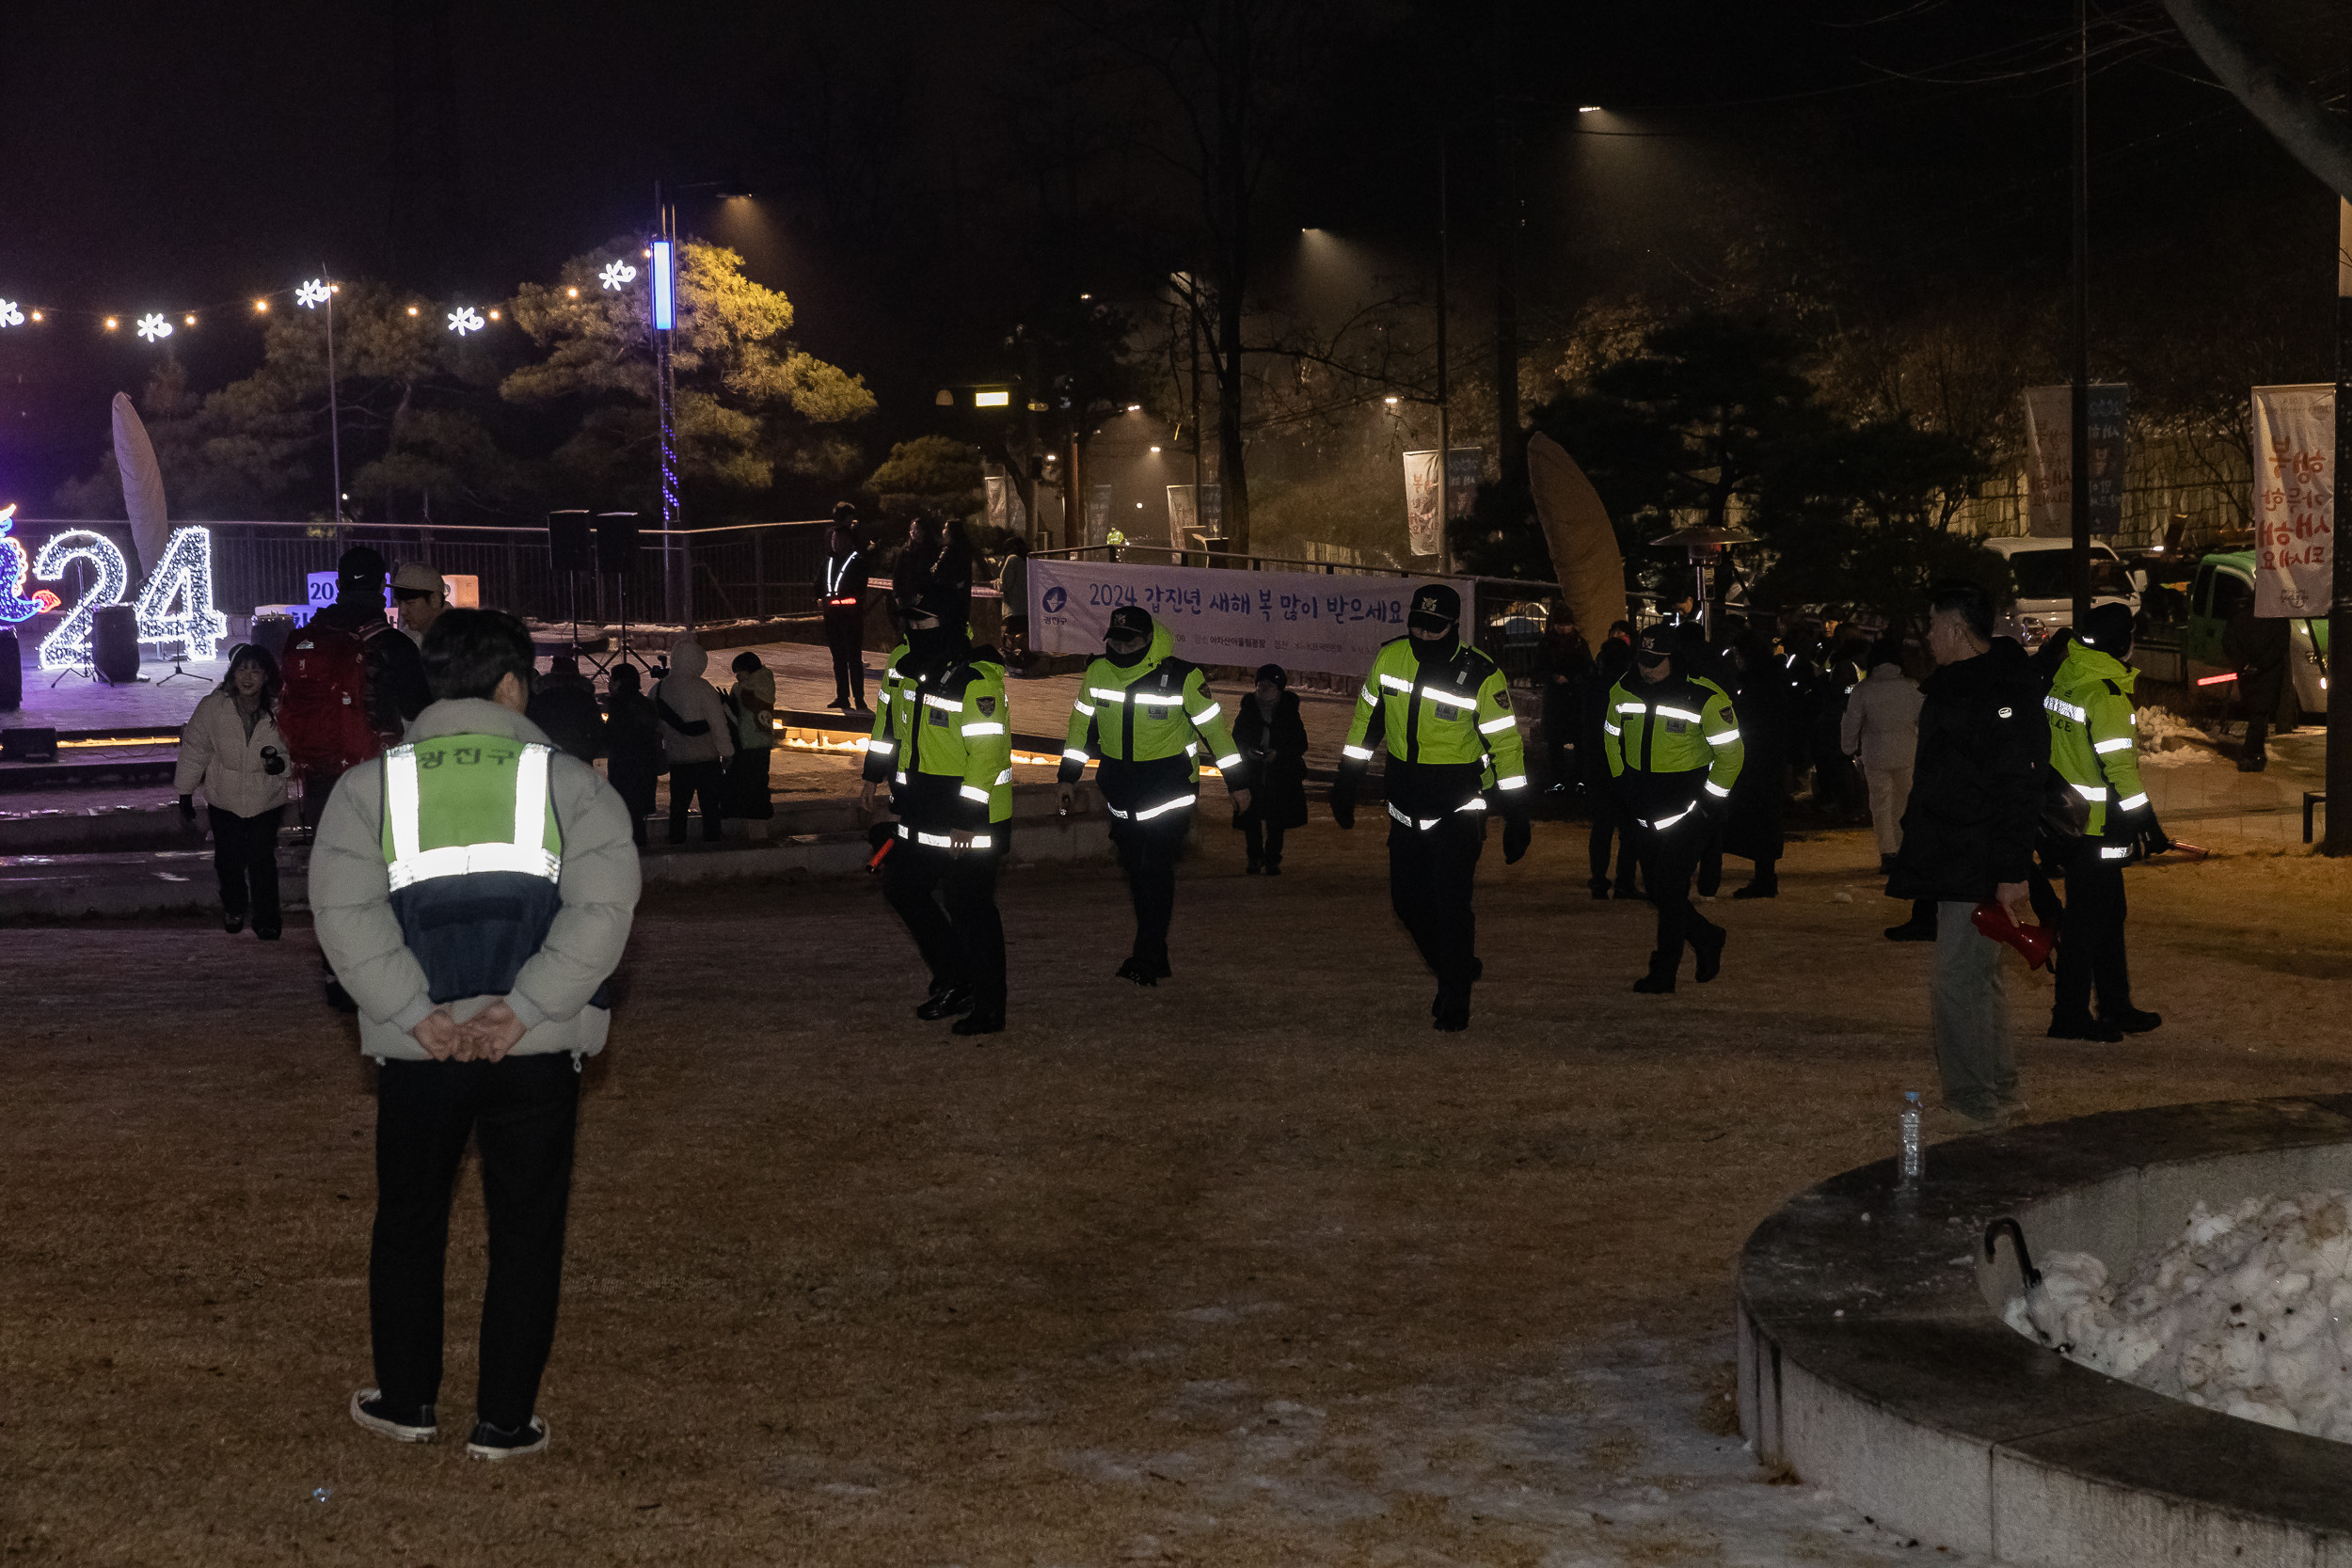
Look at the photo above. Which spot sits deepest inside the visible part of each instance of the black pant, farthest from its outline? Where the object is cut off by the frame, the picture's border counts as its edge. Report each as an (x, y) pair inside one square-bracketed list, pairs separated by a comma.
[(963, 943), (2090, 949), (845, 634), (1148, 853), (1610, 822), (1670, 856), (2257, 747), (747, 783), (636, 790), (1263, 836), (689, 780), (1431, 873), (521, 1112), (245, 853)]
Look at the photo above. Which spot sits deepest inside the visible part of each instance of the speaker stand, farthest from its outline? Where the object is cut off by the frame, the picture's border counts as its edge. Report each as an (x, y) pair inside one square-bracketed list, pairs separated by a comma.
[(181, 674)]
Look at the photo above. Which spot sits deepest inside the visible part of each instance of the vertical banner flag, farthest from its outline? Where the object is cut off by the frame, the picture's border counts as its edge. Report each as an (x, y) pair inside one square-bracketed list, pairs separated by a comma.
[(995, 486), (2050, 453), (1182, 524), (1299, 620), (1464, 467), (2295, 499), (1212, 510), (1098, 514), (1424, 530)]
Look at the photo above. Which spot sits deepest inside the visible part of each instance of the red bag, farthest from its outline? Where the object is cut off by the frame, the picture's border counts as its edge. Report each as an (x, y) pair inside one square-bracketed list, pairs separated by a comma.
[(322, 700)]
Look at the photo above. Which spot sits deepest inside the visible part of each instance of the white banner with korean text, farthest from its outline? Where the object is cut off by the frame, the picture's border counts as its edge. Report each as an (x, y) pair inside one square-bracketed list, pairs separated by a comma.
[(1298, 620), (2295, 499)]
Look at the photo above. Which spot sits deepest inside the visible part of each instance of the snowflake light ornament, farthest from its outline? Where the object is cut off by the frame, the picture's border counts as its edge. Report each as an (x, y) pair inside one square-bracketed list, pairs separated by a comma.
[(466, 319), (10, 315), (615, 274), (312, 294), (153, 327)]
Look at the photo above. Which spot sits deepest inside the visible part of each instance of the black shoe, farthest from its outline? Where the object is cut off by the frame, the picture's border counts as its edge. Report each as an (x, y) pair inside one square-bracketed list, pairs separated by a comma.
[(1710, 954), (267, 933), (990, 1021), (1274, 868), (2132, 1021), (1757, 890), (1655, 985), (2084, 1028), (946, 1002), (231, 924), (839, 705), (1599, 886), (1886, 865), (493, 1443), (1911, 931), (1449, 1012), (1137, 970), (370, 1409), (1626, 890), (2252, 765), (1254, 868)]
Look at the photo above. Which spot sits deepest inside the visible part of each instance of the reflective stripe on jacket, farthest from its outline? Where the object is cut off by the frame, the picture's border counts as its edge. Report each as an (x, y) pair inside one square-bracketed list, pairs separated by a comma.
[(1156, 709), (2094, 738), (1453, 711), (934, 731), (1676, 725)]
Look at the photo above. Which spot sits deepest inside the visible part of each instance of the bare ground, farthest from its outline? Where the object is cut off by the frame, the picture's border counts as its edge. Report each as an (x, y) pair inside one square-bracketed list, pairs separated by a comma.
[(1250, 1269)]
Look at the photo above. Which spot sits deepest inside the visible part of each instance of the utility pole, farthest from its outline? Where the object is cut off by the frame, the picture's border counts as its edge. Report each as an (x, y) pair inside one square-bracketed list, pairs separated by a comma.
[(2339, 780), (1506, 252), (2080, 499), (664, 285), (1445, 384), (334, 415)]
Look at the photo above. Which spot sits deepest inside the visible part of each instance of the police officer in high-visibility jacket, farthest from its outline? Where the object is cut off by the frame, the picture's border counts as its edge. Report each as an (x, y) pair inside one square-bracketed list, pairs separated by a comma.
[(1672, 744), (1147, 716), (1443, 711), (2094, 752), (943, 741), (472, 889)]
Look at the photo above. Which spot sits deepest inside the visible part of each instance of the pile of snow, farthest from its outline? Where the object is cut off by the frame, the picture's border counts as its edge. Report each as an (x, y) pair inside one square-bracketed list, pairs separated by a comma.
[(2166, 739), (2247, 1313)]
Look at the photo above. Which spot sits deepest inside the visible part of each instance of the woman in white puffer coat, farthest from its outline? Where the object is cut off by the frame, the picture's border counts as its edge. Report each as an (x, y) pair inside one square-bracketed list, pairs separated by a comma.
[(697, 736), (230, 748)]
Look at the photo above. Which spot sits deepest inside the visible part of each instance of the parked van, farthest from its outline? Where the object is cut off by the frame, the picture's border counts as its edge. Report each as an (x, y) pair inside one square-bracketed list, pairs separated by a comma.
[(2044, 572), (2225, 583)]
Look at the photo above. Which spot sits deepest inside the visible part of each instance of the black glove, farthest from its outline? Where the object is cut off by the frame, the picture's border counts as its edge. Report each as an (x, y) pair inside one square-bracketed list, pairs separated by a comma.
[(1715, 808), (1343, 800), (187, 809), (1519, 832), (2153, 840)]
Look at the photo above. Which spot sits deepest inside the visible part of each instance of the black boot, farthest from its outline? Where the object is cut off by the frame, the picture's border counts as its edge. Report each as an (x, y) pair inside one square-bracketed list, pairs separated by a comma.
[(1451, 1011), (2132, 1021), (1139, 972), (1762, 887), (945, 1002), (983, 1020), (1709, 950), (2083, 1028), (1660, 981)]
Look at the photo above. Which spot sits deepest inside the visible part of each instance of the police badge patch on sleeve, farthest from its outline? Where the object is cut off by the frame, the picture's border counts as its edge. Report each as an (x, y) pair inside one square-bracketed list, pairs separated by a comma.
[(988, 707), (1502, 701)]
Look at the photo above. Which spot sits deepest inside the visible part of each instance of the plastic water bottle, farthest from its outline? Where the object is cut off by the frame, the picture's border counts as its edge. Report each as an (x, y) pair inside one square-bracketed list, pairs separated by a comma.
[(1911, 1134)]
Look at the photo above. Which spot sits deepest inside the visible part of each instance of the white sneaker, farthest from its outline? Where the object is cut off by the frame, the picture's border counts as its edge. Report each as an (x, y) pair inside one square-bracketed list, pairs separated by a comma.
[(494, 1443), (403, 1426)]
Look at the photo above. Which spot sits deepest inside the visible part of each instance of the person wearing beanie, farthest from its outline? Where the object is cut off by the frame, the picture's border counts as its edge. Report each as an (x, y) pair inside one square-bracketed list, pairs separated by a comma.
[(1149, 716), (943, 741), (2106, 820), (1442, 711)]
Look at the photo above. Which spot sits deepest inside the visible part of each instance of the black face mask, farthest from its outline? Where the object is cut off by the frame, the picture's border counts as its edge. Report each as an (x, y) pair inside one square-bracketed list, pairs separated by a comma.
[(1128, 659), (932, 644), (1434, 650)]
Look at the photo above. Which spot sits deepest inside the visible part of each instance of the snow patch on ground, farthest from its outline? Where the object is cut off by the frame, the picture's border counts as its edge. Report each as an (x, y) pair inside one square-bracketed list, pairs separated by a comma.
[(2246, 1313)]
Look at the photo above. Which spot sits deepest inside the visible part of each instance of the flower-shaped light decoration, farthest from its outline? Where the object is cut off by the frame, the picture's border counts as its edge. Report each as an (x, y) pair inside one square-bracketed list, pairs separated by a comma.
[(153, 327), (466, 319), (10, 315), (312, 294), (615, 274)]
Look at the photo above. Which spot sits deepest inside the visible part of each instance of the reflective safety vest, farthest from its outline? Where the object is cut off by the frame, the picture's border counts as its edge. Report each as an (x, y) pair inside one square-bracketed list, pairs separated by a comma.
[(1447, 726), (473, 853), (1158, 709), (1680, 725), (944, 742), (2094, 737)]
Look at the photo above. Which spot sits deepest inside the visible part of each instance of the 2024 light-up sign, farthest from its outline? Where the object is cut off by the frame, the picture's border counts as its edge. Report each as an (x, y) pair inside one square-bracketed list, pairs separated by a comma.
[(174, 610)]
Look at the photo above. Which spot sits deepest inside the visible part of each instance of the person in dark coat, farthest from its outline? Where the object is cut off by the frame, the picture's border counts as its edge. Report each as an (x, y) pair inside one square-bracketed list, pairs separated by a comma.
[(632, 738), (1968, 837), (1835, 786), (1610, 666), (2258, 648), (937, 553), (1562, 663), (563, 704), (1767, 700), (841, 598), (1272, 738)]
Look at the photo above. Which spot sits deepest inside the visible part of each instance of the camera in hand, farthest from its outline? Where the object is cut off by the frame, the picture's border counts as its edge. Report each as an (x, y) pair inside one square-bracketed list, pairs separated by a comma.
[(273, 762)]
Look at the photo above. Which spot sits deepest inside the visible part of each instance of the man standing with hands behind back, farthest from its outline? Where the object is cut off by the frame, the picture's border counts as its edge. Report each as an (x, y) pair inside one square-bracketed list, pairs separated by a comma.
[(473, 888), (1967, 839)]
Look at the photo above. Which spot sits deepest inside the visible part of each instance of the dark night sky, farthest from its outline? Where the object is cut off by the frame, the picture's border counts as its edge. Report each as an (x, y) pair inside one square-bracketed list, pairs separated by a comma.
[(184, 157)]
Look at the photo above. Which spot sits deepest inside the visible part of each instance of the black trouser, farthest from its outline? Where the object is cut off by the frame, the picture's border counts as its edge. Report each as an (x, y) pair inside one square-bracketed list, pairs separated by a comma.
[(1670, 856), (1431, 873), (963, 943), (245, 853), (2090, 952), (1263, 836), (747, 783), (1148, 853), (636, 790), (521, 1112), (687, 781), (845, 634), (2257, 748), (1609, 821)]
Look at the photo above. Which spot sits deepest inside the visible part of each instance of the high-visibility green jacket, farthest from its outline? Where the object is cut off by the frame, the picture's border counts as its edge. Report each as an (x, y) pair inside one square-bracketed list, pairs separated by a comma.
[(1655, 731), (943, 738), (473, 854), (1157, 710), (1447, 728), (2094, 740)]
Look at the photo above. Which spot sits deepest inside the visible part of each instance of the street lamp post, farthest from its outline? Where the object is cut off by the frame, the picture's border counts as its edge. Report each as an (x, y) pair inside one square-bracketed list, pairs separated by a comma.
[(664, 286)]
